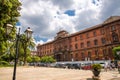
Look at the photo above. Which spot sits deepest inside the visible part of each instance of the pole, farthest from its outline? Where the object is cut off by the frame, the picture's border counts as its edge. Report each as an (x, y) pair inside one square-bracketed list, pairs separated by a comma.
[(16, 55)]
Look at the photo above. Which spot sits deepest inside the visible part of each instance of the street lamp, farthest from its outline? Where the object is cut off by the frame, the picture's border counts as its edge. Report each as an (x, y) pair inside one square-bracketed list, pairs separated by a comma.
[(29, 33), (9, 28)]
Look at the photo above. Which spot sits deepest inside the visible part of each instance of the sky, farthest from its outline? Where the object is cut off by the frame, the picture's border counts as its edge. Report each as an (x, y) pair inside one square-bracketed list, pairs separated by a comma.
[(47, 17)]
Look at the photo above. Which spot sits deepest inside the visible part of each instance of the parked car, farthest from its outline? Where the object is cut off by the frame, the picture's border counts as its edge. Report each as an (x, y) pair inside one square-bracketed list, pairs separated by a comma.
[(102, 64), (76, 66), (60, 65), (86, 66), (73, 65)]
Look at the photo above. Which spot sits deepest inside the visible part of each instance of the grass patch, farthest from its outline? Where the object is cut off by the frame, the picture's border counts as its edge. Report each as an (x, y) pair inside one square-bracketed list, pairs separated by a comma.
[(6, 66)]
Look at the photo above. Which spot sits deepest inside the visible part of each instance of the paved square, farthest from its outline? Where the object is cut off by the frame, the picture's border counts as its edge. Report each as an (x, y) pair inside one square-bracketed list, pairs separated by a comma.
[(42, 73)]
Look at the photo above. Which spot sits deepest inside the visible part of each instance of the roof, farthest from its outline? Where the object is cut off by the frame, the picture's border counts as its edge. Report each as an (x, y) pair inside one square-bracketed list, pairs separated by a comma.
[(87, 29), (109, 20)]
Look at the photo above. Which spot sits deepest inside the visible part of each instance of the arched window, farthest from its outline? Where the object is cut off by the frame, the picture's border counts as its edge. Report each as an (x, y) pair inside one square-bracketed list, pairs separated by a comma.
[(94, 33), (95, 42), (89, 54), (115, 37), (82, 45), (96, 52), (103, 40), (88, 43), (76, 46), (112, 28), (82, 55)]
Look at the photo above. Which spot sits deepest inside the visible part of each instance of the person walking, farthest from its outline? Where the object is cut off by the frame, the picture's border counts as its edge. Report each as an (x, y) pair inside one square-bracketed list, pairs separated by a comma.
[(106, 66)]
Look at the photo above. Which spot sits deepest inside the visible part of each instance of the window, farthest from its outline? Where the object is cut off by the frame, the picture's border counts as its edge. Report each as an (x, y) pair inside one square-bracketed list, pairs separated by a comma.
[(81, 37), (76, 46), (75, 38), (87, 35), (102, 31), (89, 54), (82, 45), (82, 54), (95, 42), (115, 37), (76, 55), (104, 52), (112, 28), (103, 40), (94, 33), (96, 52), (88, 43)]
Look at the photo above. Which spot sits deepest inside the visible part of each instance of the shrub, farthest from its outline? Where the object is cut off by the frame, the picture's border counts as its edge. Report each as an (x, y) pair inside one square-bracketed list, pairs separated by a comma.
[(96, 67)]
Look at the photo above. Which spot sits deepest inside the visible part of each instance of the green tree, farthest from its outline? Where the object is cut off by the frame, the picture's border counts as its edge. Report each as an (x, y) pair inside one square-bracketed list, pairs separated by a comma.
[(9, 13), (26, 45), (29, 59), (115, 50), (47, 59), (35, 59)]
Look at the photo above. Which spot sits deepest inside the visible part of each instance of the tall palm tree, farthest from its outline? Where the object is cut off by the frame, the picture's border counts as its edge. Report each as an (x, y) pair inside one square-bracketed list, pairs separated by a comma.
[(26, 45)]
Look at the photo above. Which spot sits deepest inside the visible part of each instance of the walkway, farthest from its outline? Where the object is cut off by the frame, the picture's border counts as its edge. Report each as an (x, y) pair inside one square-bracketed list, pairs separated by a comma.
[(42, 73)]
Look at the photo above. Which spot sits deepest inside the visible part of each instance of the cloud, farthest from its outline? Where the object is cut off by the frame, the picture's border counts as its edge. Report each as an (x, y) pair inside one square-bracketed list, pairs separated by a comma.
[(63, 4), (109, 8), (47, 17)]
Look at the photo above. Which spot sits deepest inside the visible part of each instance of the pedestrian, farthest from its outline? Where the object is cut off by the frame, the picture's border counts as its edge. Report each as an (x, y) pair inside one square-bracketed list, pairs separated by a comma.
[(112, 65), (106, 66)]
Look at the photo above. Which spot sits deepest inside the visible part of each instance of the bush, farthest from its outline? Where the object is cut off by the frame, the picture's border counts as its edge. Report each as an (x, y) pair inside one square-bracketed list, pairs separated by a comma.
[(96, 67)]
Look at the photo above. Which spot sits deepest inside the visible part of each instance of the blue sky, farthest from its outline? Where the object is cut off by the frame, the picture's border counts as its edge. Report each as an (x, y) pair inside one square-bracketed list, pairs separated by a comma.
[(70, 12), (47, 17)]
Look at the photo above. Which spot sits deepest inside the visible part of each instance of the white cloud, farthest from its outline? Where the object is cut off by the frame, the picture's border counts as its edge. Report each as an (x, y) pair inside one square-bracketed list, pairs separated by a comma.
[(46, 17)]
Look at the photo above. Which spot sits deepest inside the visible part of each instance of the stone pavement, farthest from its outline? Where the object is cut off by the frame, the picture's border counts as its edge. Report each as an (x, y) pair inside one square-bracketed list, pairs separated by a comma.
[(42, 73)]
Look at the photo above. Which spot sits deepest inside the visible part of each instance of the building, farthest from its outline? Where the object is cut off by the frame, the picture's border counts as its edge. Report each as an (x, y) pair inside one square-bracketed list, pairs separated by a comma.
[(33, 53), (94, 43)]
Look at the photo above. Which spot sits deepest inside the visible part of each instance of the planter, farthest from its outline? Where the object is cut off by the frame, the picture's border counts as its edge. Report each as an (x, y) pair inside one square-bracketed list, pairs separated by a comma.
[(96, 72), (96, 75), (96, 69)]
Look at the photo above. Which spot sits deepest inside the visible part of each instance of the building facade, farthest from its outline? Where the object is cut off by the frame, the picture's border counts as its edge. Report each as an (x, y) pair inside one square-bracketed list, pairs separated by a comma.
[(94, 43)]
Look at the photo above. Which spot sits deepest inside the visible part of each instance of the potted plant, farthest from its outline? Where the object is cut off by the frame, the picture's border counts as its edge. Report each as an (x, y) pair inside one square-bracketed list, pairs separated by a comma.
[(96, 69)]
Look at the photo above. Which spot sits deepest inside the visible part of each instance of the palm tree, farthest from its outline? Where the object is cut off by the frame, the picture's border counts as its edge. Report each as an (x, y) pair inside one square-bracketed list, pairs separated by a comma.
[(26, 45)]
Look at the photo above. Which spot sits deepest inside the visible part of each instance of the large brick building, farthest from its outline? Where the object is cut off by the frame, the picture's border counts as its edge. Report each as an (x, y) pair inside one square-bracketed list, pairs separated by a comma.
[(94, 43)]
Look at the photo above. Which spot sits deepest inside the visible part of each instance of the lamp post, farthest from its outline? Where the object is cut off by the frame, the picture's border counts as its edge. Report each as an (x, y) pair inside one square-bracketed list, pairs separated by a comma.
[(28, 32), (9, 28)]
